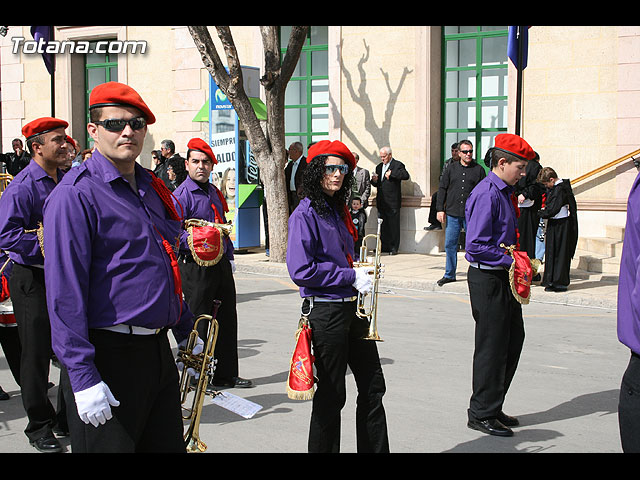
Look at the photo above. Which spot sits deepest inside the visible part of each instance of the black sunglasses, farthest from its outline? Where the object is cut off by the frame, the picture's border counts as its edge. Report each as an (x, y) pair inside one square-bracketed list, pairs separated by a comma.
[(117, 125)]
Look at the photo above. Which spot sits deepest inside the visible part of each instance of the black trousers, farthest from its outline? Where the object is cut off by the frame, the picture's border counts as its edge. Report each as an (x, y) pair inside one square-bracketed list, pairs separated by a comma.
[(528, 228), (390, 230), (30, 309), (141, 372), (10, 341), (433, 211), (336, 338), (557, 263), (499, 337), (629, 407), (201, 286)]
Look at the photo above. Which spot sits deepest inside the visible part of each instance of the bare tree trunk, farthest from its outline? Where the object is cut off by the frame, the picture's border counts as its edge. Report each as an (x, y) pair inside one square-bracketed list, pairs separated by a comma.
[(268, 145)]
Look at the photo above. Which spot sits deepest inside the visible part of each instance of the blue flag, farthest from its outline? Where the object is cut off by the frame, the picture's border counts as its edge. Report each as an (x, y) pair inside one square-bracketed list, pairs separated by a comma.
[(46, 34), (513, 45)]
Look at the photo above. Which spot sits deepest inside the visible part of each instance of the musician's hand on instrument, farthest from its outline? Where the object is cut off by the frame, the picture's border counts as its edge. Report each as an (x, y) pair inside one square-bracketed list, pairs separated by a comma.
[(364, 281), (197, 349), (94, 404)]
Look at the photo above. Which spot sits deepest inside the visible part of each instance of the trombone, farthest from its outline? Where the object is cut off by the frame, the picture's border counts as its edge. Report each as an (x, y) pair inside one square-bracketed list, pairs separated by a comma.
[(368, 307), (203, 364)]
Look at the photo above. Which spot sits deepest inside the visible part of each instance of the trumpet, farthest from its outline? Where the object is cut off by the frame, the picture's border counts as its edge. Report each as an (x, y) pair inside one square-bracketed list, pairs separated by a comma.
[(204, 364), (368, 307)]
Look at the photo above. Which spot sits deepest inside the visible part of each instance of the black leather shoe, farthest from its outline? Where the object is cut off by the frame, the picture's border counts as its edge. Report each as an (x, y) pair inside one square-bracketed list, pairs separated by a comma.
[(47, 445), (4, 395), (490, 426), (236, 382), (393, 252), (444, 280), (552, 288), (433, 227), (507, 420)]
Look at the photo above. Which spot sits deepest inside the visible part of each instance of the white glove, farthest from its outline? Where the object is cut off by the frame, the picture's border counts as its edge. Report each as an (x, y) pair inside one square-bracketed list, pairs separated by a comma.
[(364, 280), (94, 404), (197, 349), (233, 266)]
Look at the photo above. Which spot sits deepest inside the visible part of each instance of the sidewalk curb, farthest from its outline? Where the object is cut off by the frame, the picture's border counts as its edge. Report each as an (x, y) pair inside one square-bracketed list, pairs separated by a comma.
[(569, 298)]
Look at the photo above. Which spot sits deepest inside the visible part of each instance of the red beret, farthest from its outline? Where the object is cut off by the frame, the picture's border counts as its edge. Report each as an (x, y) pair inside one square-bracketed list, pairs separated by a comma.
[(514, 144), (335, 148), (114, 93), (70, 140), (201, 145), (42, 125)]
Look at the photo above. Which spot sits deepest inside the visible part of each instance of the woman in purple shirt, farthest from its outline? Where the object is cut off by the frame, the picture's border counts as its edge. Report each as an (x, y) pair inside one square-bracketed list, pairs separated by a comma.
[(320, 261)]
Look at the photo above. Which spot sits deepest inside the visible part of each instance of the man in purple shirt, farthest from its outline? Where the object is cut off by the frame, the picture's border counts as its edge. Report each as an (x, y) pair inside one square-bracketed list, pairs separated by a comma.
[(113, 287), (202, 284), (320, 254), (20, 216), (629, 326), (491, 218)]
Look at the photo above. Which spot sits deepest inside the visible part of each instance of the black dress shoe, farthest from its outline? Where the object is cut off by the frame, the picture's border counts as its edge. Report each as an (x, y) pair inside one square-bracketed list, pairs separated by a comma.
[(551, 288), (236, 382), (393, 252), (507, 420), (490, 426), (4, 395), (48, 444), (433, 227), (444, 280)]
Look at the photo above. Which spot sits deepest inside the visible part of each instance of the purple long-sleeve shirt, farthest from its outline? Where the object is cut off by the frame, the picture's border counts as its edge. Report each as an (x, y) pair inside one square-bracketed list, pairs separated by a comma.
[(196, 203), (21, 209), (317, 254), (105, 263), (491, 220), (629, 280)]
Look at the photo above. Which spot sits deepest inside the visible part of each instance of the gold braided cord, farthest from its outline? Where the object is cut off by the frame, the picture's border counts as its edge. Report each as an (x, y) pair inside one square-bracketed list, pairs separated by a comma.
[(40, 234)]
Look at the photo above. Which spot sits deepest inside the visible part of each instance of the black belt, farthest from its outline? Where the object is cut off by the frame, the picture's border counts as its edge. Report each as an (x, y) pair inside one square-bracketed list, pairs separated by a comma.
[(133, 330)]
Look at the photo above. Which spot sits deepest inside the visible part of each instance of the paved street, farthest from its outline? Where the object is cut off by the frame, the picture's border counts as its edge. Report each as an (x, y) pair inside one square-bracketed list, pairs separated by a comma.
[(565, 392)]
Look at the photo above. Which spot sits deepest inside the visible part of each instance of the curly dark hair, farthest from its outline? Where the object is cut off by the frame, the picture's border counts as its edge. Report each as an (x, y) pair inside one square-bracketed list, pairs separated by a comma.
[(312, 189), (177, 163)]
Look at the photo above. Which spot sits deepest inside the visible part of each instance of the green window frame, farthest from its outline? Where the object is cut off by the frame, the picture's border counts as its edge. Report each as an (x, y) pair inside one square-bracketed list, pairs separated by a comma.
[(307, 98), (99, 68), (474, 86)]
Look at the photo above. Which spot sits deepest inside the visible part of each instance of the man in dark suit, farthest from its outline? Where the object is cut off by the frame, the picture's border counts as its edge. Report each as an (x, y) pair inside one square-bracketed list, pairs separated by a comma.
[(387, 179), (295, 166), (362, 187)]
